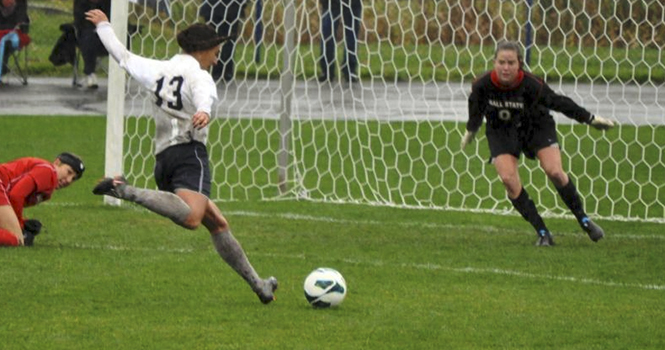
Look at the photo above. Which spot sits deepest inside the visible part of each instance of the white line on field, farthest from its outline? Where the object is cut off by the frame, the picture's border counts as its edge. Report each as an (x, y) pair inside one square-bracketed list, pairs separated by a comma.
[(428, 266), (480, 228)]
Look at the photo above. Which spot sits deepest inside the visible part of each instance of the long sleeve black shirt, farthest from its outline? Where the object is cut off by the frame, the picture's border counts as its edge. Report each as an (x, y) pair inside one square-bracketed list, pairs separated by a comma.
[(526, 104)]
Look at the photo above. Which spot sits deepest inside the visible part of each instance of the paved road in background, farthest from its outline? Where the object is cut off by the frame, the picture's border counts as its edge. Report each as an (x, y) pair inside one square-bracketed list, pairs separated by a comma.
[(312, 100)]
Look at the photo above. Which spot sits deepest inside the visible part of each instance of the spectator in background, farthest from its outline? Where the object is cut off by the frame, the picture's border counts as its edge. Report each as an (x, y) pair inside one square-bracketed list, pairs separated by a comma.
[(13, 18), (226, 17), (351, 16), (88, 41)]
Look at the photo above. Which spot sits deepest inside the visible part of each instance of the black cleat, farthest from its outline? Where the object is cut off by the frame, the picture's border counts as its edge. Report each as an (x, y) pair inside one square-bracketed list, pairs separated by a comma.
[(108, 186), (267, 293), (28, 239), (544, 239), (31, 228), (594, 231)]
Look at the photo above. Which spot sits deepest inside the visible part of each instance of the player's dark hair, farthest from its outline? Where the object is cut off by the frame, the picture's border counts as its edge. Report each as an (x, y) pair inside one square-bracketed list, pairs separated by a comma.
[(73, 161), (510, 46), (199, 37)]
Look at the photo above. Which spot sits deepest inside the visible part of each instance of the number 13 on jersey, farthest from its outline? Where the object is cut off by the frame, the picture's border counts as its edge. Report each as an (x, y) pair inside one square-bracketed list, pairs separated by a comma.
[(172, 88)]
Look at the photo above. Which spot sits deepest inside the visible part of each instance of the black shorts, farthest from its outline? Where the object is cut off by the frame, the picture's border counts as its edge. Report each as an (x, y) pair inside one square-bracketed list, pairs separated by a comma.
[(183, 166), (516, 141)]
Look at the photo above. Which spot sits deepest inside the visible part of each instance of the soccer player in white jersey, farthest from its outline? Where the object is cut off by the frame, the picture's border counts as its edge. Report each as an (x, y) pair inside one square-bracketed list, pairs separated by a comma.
[(183, 94)]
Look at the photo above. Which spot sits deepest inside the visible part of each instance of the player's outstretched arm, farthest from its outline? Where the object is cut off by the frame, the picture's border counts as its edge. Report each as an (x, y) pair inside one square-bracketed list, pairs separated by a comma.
[(115, 48), (142, 69), (601, 123)]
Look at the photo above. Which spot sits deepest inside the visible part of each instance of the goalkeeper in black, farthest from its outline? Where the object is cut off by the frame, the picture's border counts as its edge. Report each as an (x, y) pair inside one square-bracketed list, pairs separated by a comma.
[(517, 107)]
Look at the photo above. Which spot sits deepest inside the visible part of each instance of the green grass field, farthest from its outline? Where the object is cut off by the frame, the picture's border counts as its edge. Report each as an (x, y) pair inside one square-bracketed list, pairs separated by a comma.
[(104, 277), (419, 164)]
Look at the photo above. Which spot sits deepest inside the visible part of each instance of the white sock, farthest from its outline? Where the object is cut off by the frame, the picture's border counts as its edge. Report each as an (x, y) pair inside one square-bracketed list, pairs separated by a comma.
[(161, 202), (230, 250)]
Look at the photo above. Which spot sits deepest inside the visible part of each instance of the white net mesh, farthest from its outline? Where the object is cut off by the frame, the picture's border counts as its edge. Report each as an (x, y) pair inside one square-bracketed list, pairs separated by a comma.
[(393, 137)]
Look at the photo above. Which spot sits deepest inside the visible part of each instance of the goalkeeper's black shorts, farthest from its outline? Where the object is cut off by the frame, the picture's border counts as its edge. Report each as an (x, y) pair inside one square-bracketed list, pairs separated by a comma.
[(525, 140)]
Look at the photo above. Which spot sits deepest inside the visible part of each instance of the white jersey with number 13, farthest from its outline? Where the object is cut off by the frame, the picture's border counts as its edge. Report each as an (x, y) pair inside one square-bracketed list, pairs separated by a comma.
[(179, 86)]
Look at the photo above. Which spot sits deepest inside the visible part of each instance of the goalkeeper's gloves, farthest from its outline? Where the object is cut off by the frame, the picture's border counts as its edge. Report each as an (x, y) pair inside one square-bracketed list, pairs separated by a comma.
[(31, 228), (601, 123), (467, 139)]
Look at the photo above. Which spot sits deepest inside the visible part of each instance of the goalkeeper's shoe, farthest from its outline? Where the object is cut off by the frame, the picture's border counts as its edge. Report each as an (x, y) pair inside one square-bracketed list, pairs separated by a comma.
[(28, 239), (109, 186), (31, 228), (544, 239), (594, 231), (267, 292)]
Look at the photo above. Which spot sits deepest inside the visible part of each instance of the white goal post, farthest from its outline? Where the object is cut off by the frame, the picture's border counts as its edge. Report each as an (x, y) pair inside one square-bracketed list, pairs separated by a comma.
[(392, 138)]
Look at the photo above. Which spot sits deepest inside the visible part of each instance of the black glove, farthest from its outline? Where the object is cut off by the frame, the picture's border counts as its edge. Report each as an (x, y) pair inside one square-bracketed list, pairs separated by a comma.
[(31, 228)]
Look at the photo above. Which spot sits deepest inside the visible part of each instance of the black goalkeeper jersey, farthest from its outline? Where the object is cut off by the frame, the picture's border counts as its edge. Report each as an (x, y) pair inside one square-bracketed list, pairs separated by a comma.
[(526, 104)]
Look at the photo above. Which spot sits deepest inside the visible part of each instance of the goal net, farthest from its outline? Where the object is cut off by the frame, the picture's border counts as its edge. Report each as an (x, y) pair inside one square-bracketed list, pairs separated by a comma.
[(393, 137)]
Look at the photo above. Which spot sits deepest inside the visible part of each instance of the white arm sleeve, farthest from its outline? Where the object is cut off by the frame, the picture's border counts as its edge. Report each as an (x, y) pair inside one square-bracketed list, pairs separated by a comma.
[(144, 70)]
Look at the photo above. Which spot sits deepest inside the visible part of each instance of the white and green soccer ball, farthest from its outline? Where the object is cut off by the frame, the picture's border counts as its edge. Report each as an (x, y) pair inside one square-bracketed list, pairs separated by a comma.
[(325, 287)]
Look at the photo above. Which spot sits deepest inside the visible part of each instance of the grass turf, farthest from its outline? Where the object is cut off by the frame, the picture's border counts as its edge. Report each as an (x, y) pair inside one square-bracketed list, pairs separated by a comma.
[(122, 278)]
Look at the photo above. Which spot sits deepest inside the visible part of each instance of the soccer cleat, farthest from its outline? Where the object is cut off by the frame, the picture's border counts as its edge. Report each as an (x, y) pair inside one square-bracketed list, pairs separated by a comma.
[(108, 186), (31, 228), (28, 239), (594, 231), (266, 293), (544, 239)]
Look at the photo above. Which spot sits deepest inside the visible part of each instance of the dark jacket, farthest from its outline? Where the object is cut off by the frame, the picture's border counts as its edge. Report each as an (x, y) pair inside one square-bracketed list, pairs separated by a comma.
[(64, 50)]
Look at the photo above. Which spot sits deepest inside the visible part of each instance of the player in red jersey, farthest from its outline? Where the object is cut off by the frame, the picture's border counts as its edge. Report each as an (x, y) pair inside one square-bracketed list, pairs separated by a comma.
[(516, 105), (26, 182)]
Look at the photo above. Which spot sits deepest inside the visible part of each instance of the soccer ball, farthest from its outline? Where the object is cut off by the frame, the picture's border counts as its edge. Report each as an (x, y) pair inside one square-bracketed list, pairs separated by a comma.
[(325, 287)]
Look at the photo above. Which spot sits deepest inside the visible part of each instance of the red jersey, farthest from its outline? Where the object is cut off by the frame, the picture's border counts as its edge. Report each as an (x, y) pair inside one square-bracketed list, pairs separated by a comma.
[(25, 182)]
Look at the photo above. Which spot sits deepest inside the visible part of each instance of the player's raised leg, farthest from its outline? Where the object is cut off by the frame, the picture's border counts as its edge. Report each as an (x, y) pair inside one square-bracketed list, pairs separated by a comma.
[(163, 203), (230, 250)]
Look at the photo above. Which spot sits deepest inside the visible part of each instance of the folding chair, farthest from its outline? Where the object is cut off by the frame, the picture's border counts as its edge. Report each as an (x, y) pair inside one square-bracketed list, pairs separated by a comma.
[(15, 40)]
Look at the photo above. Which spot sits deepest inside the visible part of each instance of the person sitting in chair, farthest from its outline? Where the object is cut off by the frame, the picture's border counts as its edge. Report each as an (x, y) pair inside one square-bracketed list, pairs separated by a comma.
[(13, 29)]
